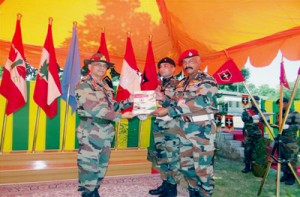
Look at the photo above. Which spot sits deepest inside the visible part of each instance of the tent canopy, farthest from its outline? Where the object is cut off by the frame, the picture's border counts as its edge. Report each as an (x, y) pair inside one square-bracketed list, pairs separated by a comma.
[(218, 29)]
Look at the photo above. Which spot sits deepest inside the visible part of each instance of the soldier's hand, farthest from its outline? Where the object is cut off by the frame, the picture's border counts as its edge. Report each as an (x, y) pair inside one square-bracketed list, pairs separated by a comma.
[(131, 97), (159, 96), (128, 115), (256, 117), (160, 112)]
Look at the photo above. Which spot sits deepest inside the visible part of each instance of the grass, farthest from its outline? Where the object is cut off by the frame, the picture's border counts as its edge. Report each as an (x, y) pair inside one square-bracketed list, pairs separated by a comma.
[(230, 182)]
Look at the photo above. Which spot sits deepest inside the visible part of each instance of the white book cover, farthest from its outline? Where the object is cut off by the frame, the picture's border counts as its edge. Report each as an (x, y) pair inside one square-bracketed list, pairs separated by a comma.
[(144, 102)]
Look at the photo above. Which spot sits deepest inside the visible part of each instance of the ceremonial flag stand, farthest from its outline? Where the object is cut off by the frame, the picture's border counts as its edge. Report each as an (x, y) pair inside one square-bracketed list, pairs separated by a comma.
[(278, 145)]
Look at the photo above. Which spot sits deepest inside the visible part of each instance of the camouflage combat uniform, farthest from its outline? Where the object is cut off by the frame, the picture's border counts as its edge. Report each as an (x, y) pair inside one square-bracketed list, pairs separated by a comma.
[(95, 133), (290, 146), (196, 96), (252, 132), (166, 142)]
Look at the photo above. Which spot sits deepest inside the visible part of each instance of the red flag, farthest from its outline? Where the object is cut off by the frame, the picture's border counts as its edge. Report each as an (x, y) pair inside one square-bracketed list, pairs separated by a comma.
[(130, 76), (228, 73), (47, 88), (149, 78), (282, 77), (13, 86), (103, 48)]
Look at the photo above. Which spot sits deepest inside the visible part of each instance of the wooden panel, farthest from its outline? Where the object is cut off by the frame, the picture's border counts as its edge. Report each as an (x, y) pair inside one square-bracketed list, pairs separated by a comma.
[(20, 167)]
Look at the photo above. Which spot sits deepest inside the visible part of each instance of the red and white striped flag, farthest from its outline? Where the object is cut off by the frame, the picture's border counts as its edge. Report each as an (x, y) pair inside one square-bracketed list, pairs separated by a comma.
[(130, 76), (13, 85), (47, 88)]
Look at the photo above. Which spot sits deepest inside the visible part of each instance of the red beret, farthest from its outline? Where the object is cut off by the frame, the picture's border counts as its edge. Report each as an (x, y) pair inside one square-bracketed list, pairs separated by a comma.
[(186, 54)]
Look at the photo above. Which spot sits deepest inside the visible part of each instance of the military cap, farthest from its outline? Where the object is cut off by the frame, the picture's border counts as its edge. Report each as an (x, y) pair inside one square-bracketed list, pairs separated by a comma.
[(284, 100), (98, 57), (186, 54), (255, 98), (166, 60)]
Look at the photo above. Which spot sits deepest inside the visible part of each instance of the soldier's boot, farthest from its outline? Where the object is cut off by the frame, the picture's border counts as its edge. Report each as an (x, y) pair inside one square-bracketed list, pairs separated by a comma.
[(290, 180), (90, 194), (170, 191), (160, 189), (193, 193), (247, 168), (284, 177)]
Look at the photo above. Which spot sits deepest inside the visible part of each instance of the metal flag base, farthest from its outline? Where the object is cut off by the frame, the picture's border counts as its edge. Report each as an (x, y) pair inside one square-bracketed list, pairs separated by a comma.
[(277, 146)]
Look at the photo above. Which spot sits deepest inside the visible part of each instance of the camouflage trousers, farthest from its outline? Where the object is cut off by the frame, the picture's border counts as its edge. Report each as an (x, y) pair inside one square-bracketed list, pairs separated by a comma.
[(93, 154), (289, 151), (250, 141), (167, 149), (196, 155)]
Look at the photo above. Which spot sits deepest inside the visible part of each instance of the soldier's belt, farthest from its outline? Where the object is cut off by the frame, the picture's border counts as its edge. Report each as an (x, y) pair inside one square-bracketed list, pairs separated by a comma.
[(198, 118), (96, 120), (164, 118)]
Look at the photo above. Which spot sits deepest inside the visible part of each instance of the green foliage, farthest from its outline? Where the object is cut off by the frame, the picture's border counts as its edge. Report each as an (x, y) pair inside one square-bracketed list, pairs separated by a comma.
[(261, 151), (265, 90), (227, 174), (288, 92), (245, 73)]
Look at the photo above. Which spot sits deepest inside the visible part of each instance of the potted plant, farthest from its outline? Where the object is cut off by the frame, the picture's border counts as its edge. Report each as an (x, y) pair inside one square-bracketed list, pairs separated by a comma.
[(260, 155)]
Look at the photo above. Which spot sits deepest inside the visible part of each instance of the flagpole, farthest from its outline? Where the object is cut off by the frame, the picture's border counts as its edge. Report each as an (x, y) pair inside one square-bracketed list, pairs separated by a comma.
[(289, 104), (281, 129), (256, 105), (260, 112), (66, 120), (116, 135), (140, 133), (3, 130), (36, 129), (19, 16)]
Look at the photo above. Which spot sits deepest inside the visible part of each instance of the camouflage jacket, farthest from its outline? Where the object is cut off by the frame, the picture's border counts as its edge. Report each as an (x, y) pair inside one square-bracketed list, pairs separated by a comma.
[(167, 86), (96, 100), (194, 95), (293, 120), (249, 123)]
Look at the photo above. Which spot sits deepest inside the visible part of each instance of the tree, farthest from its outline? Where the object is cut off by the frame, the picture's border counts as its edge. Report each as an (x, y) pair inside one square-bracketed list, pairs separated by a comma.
[(266, 91), (288, 92)]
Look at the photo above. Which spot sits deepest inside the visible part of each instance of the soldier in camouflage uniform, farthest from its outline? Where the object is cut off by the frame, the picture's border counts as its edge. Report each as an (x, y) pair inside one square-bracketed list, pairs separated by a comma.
[(166, 142), (252, 132), (95, 133), (289, 149), (194, 104)]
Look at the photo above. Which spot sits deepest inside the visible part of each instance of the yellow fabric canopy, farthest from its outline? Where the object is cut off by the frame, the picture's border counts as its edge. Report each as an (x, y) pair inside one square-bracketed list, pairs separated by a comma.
[(218, 29)]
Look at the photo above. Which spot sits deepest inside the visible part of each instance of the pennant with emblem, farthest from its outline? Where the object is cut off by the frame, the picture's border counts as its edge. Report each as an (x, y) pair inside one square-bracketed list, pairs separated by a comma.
[(245, 100), (218, 119), (229, 122)]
